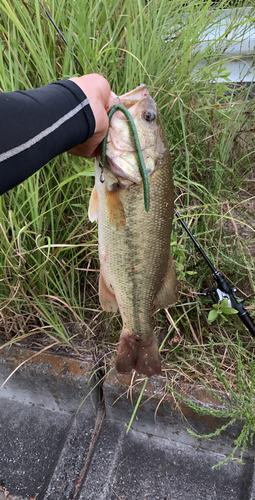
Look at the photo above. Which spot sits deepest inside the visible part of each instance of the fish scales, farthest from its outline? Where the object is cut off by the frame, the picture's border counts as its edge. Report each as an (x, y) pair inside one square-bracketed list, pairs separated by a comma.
[(136, 270), (139, 252)]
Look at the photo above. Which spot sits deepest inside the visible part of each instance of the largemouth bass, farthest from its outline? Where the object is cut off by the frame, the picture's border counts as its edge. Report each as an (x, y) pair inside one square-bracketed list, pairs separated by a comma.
[(137, 274)]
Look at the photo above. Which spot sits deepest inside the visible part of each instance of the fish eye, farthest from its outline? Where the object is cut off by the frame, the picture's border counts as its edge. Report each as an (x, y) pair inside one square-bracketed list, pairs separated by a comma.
[(149, 116)]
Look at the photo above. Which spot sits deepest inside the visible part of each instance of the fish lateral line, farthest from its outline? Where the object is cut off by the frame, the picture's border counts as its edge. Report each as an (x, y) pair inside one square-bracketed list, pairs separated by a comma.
[(141, 164)]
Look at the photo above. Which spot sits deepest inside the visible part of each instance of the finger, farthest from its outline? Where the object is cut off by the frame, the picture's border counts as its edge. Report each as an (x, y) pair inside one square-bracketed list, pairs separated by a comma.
[(114, 99)]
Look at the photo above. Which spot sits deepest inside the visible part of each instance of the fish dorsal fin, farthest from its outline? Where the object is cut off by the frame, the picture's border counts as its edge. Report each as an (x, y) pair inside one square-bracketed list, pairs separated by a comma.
[(93, 205)]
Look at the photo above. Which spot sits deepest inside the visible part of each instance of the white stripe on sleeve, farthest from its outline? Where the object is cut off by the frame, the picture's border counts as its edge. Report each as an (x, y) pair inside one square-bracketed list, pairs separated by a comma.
[(26, 145)]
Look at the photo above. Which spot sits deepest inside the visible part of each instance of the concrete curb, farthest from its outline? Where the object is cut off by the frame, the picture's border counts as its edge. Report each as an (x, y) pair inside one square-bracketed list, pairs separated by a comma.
[(161, 415), (60, 383), (48, 380)]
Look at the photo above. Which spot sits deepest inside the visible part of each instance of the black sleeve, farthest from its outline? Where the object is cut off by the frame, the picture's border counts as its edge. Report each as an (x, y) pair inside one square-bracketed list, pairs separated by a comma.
[(39, 124)]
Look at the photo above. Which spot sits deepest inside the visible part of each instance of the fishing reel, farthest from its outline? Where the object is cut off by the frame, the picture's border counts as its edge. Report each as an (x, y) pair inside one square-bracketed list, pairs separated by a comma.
[(223, 290), (218, 295)]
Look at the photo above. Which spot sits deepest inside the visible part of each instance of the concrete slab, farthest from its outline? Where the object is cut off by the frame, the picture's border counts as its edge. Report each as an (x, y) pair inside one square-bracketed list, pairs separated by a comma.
[(38, 405), (137, 467), (74, 459), (31, 438)]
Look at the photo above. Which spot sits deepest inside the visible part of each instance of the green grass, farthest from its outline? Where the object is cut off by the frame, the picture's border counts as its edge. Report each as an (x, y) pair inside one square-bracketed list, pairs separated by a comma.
[(48, 254)]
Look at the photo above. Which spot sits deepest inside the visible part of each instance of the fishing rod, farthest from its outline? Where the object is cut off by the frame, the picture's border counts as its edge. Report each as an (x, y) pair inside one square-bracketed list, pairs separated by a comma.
[(60, 33), (223, 289)]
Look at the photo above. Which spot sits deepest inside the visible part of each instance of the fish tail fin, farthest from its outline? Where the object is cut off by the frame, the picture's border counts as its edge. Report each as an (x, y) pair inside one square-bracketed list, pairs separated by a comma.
[(148, 362), (140, 355)]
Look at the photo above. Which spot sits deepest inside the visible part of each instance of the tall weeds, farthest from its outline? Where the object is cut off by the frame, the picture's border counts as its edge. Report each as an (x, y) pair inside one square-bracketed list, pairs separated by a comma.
[(48, 253)]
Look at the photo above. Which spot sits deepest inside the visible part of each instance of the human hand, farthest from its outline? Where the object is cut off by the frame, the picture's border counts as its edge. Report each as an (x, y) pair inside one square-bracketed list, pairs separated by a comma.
[(101, 99)]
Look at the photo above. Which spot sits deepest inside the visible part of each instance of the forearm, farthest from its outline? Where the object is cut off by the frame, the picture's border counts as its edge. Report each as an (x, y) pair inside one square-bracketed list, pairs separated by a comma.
[(39, 124)]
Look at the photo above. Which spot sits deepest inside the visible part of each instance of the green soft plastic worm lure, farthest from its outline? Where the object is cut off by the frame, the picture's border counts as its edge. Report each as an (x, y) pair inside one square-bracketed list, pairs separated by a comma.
[(141, 164)]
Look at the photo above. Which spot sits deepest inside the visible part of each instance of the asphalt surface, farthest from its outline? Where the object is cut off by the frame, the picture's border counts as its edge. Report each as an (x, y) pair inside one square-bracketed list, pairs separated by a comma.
[(60, 439)]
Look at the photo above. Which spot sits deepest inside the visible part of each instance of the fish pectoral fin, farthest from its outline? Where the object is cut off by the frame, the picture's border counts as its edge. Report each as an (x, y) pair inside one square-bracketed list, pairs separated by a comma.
[(140, 355), (115, 209), (106, 296), (93, 205), (168, 293)]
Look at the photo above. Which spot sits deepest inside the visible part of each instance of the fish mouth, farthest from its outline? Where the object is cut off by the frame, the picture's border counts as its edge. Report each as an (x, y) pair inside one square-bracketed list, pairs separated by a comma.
[(134, 96), (121, 154), (133, 176), (129, 98)]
